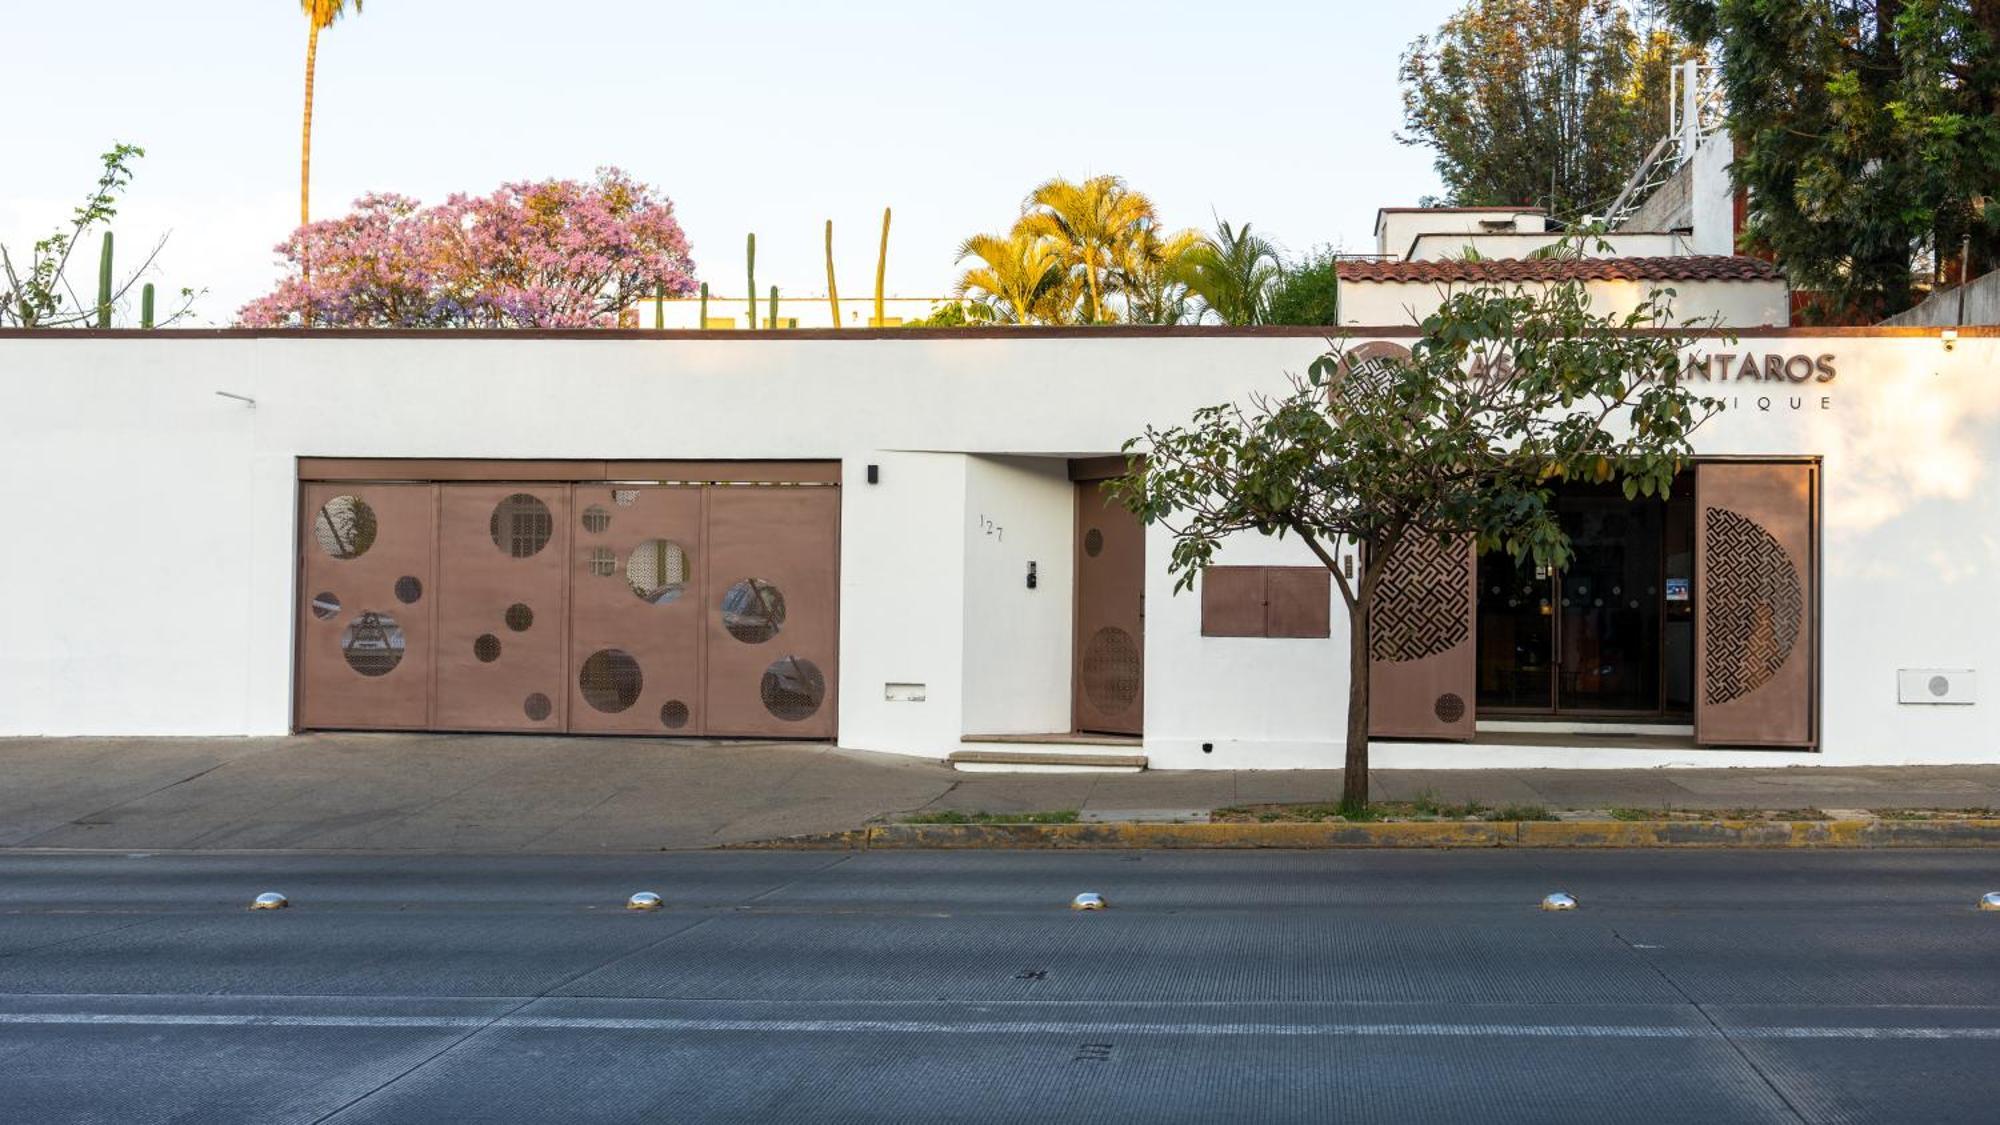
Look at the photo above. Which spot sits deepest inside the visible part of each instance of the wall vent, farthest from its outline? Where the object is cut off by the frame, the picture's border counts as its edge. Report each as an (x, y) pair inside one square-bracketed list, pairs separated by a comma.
[(1936, 685)]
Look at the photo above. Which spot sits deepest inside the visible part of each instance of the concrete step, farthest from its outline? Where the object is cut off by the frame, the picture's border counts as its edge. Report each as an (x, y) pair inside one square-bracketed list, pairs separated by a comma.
[(1042, 758)]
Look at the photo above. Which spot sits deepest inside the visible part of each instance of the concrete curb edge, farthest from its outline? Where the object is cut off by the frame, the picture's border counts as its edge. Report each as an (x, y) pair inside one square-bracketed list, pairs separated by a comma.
[(1419, 834)]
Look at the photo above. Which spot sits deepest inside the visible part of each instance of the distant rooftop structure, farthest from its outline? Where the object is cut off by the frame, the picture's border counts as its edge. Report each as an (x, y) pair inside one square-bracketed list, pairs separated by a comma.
[(1685, 267), (1397, 229)]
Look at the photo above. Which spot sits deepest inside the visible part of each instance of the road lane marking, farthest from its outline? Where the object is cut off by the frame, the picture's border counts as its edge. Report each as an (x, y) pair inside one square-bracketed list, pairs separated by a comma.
[(1003, 1027)]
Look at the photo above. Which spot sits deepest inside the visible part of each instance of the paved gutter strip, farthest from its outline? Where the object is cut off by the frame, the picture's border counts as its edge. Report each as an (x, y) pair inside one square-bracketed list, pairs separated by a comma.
[(1421, 834), (992, 1027)]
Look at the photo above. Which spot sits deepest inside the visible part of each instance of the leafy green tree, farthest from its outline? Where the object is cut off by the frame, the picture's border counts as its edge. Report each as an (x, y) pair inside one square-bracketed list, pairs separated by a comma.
[(1866, 132), (1504, 392), (1538, 102), (39, 293), (1233, 272), (1307, 291)]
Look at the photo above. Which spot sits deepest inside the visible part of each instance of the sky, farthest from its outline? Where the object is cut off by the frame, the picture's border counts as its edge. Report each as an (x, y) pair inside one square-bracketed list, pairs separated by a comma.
[(770, 117)]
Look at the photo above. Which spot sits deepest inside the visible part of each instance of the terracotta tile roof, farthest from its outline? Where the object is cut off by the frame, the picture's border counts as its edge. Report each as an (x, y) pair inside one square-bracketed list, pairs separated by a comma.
[(1692, 267)]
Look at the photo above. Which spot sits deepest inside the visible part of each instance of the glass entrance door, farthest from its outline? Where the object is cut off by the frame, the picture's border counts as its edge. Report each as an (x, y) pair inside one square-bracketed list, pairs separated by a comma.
[(1584, 640), (1608, 605)]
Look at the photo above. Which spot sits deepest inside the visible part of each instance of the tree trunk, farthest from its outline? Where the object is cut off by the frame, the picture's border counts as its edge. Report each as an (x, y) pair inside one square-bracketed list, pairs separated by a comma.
[(305, 169), (1354, 773), (306, 130)]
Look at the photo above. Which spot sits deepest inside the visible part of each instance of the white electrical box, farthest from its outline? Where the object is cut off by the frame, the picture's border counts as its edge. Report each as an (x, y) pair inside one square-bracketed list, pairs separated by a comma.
[(903, 693), (1936, 685)]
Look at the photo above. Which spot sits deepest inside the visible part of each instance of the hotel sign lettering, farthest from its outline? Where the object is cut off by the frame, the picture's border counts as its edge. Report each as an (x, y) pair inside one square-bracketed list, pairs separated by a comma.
[(1752, 367), (1770, 372)]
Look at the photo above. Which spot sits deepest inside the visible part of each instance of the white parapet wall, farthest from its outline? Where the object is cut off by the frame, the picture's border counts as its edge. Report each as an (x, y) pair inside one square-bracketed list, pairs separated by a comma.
[(150, 556)]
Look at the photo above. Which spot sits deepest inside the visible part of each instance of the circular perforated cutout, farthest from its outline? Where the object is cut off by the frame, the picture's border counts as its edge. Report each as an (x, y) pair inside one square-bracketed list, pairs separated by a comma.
[(753, 611), (1111, 670), (1093, 542), (624, 497), (793, 689), (344, 527), (596, 519), (537, 707), (325, 605), (519, 617), (486, 648), (373, 644), (610, 680), (409, 589), (1449, 708), (673, 714), (657, 570), (521, 525)]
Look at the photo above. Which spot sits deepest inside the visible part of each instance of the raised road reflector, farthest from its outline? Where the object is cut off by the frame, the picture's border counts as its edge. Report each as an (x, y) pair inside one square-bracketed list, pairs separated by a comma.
[(1990, 900), (644, 900), (1088, 900), (1558, 901), (270, 900)]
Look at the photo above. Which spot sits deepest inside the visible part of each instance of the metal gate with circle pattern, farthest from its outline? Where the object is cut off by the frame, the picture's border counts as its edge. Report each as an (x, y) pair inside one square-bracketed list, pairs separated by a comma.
[(695, 607)]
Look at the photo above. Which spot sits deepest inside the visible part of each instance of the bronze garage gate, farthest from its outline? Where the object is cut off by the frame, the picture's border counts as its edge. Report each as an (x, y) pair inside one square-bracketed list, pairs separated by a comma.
[(592, 597)]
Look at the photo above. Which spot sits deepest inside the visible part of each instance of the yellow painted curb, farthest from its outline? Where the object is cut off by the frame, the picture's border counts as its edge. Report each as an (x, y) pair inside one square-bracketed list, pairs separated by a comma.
[(1417, 834)]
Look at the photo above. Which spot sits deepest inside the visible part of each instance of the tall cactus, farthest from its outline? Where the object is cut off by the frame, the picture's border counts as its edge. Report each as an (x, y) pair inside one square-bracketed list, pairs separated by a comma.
[(881, 270), (659, 305), (774, 308), (750, 267), (704, 306), (832, 287), (146, 306), (104, 283)]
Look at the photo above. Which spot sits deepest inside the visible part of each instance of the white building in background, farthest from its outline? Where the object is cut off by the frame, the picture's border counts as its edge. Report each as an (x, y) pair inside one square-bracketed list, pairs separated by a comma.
[(1674, 226)]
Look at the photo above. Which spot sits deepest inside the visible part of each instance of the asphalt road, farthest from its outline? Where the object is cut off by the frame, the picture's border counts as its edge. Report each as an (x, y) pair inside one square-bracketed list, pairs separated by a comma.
[(1329, 986)]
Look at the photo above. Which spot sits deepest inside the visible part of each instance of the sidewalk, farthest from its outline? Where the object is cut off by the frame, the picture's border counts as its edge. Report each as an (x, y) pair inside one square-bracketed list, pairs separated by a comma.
[(488, 793)]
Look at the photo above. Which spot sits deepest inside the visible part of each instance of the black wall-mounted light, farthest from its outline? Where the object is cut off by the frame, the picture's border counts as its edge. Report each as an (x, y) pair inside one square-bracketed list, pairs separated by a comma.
[(874, 474), (1031, 576)]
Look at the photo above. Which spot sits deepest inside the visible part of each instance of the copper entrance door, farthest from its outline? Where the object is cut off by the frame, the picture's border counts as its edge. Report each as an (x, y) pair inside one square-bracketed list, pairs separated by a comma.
[(771, 611), (364, 623), (1110, 639), (500, 593), (636, 610)]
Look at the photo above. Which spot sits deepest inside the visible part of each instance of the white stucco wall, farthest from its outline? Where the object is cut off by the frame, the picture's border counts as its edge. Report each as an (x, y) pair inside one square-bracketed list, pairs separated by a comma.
[(150, 558), (1738, 304)]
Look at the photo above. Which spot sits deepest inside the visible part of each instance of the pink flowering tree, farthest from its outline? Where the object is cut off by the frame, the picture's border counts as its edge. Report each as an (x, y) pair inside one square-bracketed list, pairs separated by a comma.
[(554, 254)]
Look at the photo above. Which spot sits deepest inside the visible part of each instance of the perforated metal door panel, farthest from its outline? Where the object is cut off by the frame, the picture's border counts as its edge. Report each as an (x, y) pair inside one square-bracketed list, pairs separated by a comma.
[(1755, 604), (1110, 640), (636, 574), (501, 579), (771, 610), (1423, 665), (365, 606)]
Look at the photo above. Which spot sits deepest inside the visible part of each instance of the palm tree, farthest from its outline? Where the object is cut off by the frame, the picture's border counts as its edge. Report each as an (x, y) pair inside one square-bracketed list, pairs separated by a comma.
[(1019, 276), (1091, 225), (1151, 274), (1233, 271), (320, 14)]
